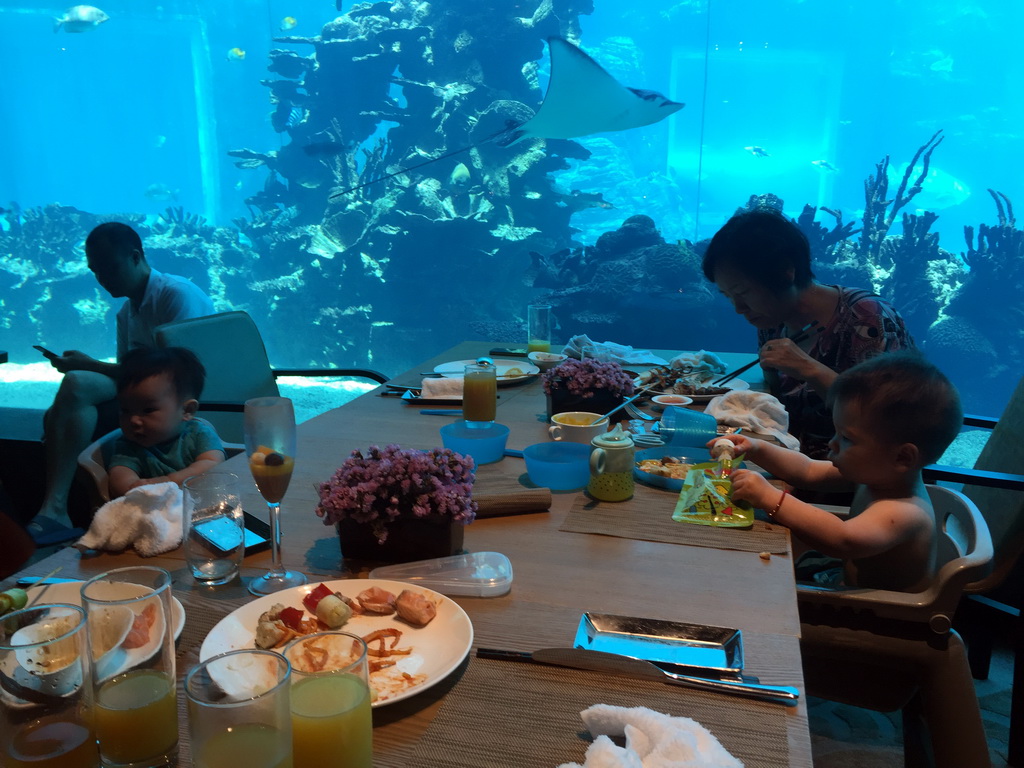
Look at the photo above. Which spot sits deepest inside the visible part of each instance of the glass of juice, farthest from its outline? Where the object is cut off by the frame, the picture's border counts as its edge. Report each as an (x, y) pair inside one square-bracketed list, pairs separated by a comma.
[(46, 705), (238, 711), (479, 394), (135, 710), (538, 328), (330, 698), (270, 445)]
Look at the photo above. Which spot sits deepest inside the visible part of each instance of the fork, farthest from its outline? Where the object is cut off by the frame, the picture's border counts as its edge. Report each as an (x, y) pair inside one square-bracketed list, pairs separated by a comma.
[(636, 413)]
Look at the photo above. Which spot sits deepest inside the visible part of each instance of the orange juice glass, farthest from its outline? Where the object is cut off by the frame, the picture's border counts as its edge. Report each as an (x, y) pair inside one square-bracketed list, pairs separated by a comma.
[(480, 394)]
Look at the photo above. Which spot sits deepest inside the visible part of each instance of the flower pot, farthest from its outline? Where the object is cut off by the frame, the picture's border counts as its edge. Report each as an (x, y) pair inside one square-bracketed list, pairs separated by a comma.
[(600, 401), (409, 538)]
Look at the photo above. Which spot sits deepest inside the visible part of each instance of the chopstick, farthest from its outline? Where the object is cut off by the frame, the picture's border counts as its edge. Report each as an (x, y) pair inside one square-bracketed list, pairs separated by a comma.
[(801, 335)]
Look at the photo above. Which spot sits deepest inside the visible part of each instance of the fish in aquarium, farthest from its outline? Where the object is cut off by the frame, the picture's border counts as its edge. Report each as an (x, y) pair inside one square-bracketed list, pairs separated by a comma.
[(757, 151), (161, 193), (236, 54), (80, 18), (582, 99), (824, 165), (288, 23)]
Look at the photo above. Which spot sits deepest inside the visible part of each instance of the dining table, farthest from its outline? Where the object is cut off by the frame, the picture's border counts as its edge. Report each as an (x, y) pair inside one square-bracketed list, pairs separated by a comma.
[(578, 555)]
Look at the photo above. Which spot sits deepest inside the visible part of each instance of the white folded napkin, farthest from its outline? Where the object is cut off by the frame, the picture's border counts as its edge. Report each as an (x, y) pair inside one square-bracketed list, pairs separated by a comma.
[(757, 412), (707, 362), (442, 388), (147, 518), (617, 353), (653, 740)]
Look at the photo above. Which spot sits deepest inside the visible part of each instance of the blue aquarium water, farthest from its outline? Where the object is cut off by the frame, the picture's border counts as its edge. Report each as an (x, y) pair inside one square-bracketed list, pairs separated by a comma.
[(224, 131)]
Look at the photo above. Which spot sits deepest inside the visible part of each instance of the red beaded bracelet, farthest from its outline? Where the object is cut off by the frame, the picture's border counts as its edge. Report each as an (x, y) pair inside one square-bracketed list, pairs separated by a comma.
[(778, 506)]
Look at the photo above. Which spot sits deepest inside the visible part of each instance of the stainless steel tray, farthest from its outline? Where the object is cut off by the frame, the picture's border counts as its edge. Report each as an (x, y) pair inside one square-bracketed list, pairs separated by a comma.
[(692, 646)]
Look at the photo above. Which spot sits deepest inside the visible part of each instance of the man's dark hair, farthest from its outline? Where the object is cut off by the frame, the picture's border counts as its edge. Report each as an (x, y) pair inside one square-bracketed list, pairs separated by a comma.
[(904, 399), (187, 374), (113, 237), (762, 245)]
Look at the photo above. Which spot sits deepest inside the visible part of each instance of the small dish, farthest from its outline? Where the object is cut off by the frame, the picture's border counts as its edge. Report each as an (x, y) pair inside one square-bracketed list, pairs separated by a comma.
[(660, 402), (546, 360)]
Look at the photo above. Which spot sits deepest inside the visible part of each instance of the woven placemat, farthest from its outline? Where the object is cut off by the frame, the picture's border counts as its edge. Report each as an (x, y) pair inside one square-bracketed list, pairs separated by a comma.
[(546, 730), (648, 517)]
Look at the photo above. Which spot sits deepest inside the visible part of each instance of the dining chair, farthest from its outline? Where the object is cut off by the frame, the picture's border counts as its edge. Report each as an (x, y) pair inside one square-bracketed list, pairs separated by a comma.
[(230, 347), (896, 651), (992, 605)]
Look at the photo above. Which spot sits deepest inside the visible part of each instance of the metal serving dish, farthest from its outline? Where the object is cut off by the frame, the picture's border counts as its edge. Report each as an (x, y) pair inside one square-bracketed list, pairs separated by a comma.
[(693, 646)]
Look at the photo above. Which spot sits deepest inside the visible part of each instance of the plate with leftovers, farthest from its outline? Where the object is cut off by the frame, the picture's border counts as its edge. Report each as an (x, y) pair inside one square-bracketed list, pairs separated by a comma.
[(509, 371), (681, 381), (662, 468), (416, 637)]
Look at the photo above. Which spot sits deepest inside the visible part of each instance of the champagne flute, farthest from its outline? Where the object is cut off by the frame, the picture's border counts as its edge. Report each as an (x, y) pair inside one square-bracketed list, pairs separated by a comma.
[(270, 445)]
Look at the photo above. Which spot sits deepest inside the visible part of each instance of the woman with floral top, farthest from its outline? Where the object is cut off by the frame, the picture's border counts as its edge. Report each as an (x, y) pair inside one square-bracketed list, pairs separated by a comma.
[(761, 262)]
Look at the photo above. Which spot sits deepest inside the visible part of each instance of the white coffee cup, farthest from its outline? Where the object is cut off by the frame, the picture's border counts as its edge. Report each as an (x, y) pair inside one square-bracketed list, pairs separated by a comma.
[(576, 426)]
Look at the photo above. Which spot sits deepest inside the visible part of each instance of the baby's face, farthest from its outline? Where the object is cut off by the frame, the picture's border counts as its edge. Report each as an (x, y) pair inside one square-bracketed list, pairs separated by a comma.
[(859, 454), (151, 412)]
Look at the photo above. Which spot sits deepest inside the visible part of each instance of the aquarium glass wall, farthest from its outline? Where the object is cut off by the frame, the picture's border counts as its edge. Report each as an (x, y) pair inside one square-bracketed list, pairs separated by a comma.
[(230, 133)]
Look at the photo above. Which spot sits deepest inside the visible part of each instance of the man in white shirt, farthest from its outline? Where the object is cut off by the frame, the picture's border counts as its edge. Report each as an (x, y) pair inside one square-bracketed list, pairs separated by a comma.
[(115, 256)]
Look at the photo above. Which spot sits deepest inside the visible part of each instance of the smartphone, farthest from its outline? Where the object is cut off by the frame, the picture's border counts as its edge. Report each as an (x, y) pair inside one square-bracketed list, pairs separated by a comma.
[(222, 534), (45, 351)]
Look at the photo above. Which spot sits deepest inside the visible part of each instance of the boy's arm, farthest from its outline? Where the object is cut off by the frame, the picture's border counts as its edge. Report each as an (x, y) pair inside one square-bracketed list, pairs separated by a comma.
[(792, 466), (204, 462), (880, 527), (120, 480)]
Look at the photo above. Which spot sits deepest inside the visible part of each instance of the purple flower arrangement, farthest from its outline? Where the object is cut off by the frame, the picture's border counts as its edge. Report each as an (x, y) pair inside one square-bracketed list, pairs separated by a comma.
[(584, 377), (394, 482)]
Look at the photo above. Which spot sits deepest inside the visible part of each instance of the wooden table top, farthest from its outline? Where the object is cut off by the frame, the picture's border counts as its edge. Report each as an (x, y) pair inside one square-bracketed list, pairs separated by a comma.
[(557, 575)]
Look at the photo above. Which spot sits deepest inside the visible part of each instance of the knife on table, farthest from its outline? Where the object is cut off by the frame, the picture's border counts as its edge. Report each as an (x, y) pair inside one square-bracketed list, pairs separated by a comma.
[(600, 661)]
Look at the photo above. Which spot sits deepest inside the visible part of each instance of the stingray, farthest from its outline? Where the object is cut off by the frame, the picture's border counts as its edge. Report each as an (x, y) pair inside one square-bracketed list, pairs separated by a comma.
[(582, 99)]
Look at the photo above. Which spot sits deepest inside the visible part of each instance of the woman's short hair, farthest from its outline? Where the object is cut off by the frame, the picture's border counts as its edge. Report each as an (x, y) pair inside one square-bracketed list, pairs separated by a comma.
[(187, 374), (762, 245), (904, 399)]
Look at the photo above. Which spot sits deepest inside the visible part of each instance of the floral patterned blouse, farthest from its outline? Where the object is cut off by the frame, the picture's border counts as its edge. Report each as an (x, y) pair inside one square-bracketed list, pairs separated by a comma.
[(863, 326)]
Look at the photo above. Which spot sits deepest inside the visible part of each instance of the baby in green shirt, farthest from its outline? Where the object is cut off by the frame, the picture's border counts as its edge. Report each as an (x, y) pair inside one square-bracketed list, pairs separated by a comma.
[(162, 440)]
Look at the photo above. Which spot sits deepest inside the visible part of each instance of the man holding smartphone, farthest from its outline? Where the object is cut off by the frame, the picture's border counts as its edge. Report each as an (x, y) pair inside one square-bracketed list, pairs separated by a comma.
[(115, 256)]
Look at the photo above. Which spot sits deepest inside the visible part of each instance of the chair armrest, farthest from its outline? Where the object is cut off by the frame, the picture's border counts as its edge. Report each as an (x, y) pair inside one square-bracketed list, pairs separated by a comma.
[(362, 373)]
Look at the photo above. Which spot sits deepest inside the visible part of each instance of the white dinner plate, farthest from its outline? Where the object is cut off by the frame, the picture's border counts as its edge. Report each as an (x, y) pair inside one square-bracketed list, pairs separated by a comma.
[(438, 648), (121, 658), (456, 368)]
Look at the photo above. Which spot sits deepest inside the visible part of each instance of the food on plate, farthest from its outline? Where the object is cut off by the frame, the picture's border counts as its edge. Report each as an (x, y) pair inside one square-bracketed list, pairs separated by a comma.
[(666, 466), (12, 600), (513, 371), (138, 635), (415, 608), (680, 381), (378, 601)]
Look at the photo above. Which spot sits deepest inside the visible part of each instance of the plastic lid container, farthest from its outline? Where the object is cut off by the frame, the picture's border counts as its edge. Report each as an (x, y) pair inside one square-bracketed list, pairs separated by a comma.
[(476, 574), (485, 444)]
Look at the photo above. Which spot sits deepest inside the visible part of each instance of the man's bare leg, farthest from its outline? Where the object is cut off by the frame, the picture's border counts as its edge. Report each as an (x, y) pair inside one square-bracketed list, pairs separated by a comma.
[(68, 427)]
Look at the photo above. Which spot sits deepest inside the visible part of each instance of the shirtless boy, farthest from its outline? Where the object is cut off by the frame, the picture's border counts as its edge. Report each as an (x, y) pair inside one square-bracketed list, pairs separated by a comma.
[(893, 414)]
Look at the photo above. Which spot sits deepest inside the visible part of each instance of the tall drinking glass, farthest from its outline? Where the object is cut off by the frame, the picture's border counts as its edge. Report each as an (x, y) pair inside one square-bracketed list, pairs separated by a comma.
[(538, 327), (135, 710), (238, 711), (331, 722), (270, 444), (479, 395), (46, 697)]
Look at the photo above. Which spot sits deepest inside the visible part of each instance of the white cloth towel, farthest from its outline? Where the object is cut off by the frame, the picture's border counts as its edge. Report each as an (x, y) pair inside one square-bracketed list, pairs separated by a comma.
[(756, 412), (611, 352), (450, 388), (147, 518), (708, 363), (653, 740)]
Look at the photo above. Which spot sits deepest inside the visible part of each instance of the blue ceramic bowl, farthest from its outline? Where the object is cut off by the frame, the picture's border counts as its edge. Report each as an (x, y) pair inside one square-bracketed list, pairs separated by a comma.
[(485, 444), (561, 466)]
